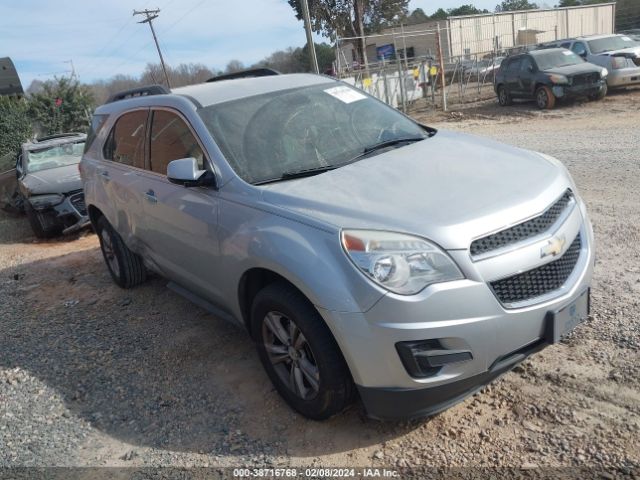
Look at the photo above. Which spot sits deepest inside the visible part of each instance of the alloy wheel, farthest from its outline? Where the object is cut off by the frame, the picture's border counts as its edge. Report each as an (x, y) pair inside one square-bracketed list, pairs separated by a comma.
[(291, 355), (109, 254), (542, 98)]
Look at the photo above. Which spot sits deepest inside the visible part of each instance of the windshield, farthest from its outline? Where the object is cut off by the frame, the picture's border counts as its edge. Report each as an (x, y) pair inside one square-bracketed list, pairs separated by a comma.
[(562, 58), (53, 157), (309, 129), (610, 44)]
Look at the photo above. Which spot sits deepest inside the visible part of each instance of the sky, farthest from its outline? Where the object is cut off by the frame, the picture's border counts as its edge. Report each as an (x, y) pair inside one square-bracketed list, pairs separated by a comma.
[(103, 38)]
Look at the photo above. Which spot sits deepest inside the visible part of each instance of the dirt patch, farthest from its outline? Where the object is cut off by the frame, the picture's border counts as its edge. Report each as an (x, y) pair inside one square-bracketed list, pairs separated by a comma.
[(94, 375)]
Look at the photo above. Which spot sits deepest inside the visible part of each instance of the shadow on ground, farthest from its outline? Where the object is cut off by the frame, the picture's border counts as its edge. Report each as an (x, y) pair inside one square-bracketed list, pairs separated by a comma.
[(149, 368)]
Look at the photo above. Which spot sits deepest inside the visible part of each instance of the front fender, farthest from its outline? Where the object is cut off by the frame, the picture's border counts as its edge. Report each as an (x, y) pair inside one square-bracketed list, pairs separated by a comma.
[(307, 256)]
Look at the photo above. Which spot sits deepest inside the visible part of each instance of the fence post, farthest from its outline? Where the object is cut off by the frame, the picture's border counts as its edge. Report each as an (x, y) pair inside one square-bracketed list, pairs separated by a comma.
[(401, 84), (441, 62)]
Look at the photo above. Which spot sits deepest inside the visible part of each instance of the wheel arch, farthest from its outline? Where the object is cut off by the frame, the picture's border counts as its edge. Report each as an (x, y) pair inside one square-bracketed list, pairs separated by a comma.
[(254, 280)]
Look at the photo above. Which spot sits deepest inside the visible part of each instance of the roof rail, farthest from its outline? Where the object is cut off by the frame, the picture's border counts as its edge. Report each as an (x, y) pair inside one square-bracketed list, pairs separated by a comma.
[(251, 72), (57, 135), (138, 92)]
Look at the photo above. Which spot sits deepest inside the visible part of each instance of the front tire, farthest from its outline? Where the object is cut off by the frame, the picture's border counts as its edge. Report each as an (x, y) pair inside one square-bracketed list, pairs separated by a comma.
[(126, 268), (299, 353), (545, 99), (600, 95), (38, 224), (504, 99)]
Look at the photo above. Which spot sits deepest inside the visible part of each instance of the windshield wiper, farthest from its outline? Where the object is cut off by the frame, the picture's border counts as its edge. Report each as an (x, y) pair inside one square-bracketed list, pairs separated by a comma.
[(390, 143), (307, 172)]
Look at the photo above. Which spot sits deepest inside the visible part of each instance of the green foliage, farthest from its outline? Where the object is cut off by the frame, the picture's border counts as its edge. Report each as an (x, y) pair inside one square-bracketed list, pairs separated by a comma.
[(627, 14), (63, 105), (329, 17), (293, 60), (465, 10), (415, 17), (513, 5), (15, 126)]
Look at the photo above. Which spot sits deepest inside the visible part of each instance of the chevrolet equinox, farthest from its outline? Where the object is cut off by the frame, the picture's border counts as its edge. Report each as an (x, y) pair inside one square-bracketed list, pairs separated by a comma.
[(367, 255)]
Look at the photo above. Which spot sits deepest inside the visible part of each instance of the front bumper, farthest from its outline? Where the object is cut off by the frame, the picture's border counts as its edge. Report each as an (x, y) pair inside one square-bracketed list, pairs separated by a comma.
[(463, 316), (624, 77), (70, 215), (562, 91)]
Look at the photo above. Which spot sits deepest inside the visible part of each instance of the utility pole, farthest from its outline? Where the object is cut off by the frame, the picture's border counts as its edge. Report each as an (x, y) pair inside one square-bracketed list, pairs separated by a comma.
[(310, 45), (150, 16)]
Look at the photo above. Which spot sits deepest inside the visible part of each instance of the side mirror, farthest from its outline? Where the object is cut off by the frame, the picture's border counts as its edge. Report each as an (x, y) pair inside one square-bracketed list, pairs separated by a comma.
[(530, 68), (185, 172)]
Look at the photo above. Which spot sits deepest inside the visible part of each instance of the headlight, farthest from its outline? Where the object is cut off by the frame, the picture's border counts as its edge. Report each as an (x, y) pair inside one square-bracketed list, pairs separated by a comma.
[(41, 202), (604, 72), (558, 79), (400, 263)]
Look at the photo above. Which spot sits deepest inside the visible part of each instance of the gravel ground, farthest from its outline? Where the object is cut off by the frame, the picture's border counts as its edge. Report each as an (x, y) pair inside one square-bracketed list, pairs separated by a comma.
[(91, 375)]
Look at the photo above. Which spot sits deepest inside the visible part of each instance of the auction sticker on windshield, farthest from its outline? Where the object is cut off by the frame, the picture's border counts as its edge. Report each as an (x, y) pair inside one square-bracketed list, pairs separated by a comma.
[(345, 94)]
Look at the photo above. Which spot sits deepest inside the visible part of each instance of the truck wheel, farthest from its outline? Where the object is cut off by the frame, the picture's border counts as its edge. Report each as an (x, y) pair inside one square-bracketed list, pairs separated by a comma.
[(504, 99), (126, 268), (545, 99), (300, 355), (38, 224)]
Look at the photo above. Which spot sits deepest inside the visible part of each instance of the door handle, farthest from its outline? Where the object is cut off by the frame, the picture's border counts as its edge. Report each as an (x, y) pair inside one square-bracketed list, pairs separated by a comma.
[(105, 175), (151, 196)]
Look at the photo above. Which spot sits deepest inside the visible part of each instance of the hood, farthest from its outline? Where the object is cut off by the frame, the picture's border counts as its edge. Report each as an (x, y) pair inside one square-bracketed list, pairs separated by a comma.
[(53, 180), (578, 69), (449, 188), (627, 52)]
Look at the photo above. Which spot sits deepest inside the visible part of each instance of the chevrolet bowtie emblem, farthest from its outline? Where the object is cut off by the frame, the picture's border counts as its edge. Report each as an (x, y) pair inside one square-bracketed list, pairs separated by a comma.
[(554, 247)]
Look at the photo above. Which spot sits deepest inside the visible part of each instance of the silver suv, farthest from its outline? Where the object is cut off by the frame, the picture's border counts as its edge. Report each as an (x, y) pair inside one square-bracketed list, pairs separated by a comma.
[(364, 253)]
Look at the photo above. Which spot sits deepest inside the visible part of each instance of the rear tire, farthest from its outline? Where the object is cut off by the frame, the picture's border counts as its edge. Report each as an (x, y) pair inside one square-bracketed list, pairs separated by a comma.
[(299, 353), (126, 268), (545, 99), (40, 229), (504, 99)]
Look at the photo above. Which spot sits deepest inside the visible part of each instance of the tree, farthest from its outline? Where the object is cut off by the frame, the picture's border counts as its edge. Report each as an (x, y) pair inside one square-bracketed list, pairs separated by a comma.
[(325, 54), (352, 18), (63, 105), (513, 5), (465, 10), (416, 17), (439, 14), (234, 66), (15, 126)]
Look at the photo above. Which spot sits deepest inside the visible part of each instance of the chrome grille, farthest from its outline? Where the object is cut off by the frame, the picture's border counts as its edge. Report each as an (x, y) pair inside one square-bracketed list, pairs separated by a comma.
[(539, 281), (522, 231), (77, 200)]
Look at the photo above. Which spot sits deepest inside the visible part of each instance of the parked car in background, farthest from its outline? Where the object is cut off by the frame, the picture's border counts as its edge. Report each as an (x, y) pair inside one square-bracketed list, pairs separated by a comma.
[(619, 54), (482, 69), (44, 182), (548, 75), (633, 33), (360, 249)]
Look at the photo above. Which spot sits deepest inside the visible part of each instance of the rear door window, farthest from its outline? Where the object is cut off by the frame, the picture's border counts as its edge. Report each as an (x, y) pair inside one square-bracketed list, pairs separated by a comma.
[(126, 140), (171, 139)]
